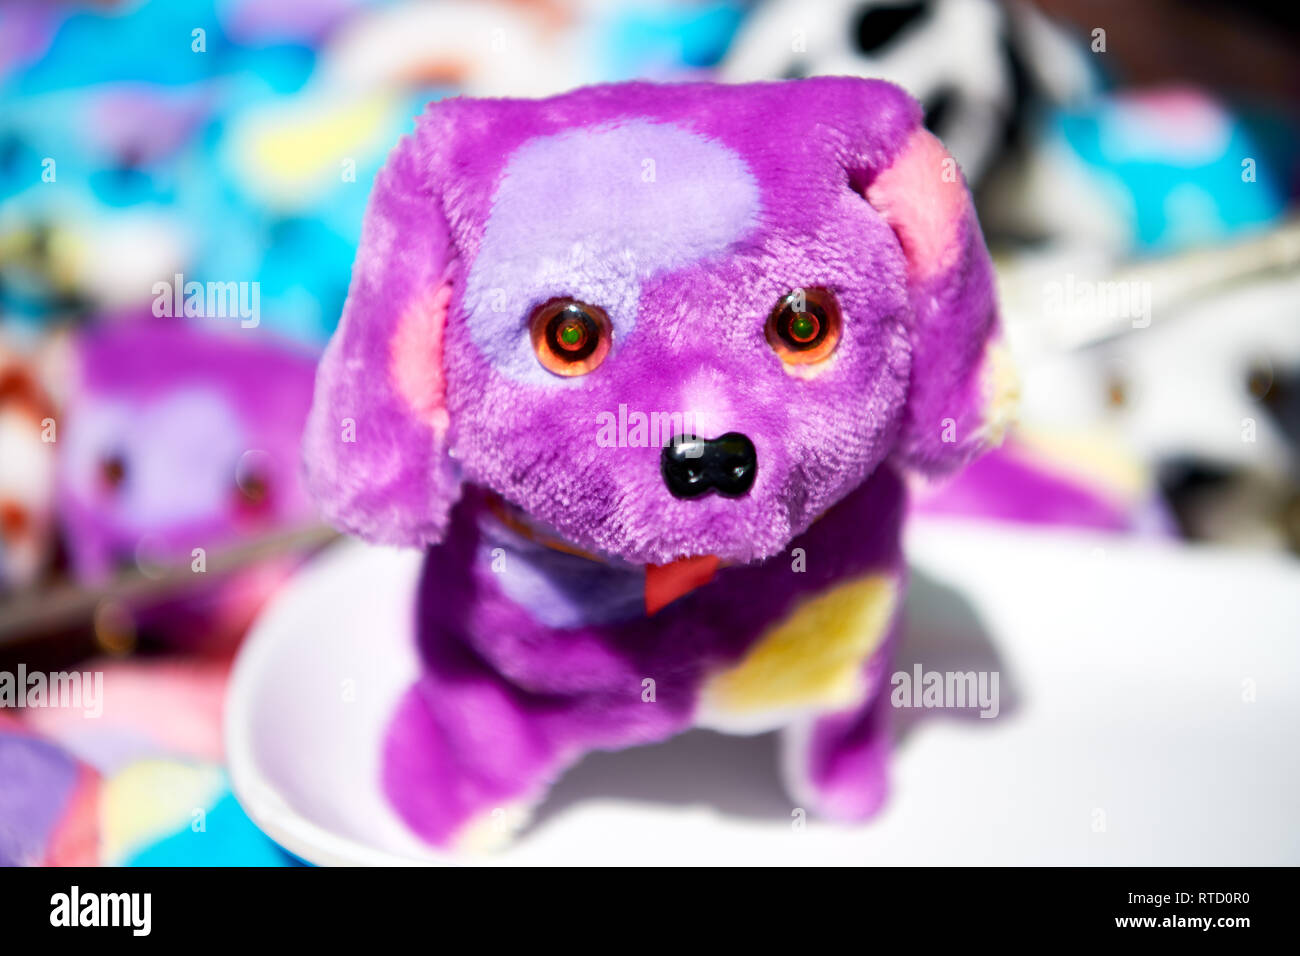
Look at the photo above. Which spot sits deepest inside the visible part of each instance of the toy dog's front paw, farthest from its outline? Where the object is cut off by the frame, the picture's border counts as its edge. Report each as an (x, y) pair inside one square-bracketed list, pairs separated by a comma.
[(491, 830), (837, 766), (463, 765)]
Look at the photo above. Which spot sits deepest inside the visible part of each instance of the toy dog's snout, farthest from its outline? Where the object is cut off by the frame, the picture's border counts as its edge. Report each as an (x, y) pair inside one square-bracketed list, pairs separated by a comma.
[(695, 466)]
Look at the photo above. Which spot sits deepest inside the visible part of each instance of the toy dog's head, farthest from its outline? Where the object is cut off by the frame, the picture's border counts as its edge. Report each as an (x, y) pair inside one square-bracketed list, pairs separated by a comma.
[(548, 292), (175, 438)]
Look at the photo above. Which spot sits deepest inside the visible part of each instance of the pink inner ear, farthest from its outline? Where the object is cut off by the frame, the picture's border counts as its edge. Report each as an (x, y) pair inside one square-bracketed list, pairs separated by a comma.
[(415, 356), (922, 196)]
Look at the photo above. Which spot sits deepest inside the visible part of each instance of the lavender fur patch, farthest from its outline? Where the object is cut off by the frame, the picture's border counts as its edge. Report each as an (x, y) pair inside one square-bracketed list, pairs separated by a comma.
[(593, 213)]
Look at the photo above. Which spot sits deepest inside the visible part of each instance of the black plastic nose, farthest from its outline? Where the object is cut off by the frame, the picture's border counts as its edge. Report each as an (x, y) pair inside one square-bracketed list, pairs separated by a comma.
[(695, 466)]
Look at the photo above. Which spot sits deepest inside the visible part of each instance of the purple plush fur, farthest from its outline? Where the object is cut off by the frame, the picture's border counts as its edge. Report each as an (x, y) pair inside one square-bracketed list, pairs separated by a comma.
[(686, 212)]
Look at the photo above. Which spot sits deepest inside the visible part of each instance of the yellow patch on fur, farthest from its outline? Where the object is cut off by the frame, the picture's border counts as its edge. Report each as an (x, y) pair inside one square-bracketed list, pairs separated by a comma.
[(1001, 386), (812, 659)]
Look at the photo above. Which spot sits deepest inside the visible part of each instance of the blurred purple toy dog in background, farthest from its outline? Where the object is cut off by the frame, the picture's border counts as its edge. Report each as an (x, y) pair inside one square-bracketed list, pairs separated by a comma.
[(179, 443)]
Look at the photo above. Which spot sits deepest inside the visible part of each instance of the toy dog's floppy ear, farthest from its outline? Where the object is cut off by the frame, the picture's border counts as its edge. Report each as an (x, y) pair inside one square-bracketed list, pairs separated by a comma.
[(375, 443), (963, 388)]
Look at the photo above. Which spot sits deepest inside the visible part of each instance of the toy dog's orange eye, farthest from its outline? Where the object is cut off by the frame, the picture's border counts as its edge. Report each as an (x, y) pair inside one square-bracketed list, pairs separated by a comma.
[(570, 337), (805, 326)]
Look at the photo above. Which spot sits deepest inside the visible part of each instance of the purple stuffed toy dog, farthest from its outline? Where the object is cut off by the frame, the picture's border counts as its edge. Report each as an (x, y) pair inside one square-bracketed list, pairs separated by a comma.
[(178, 438), (641, 366)]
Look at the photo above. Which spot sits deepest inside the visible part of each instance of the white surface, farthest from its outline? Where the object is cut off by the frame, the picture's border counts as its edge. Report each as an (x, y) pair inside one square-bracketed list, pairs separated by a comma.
[(1123, 676)]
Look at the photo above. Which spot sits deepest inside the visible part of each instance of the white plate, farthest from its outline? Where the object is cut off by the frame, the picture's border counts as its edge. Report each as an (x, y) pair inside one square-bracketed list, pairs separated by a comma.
[(1150, 714)]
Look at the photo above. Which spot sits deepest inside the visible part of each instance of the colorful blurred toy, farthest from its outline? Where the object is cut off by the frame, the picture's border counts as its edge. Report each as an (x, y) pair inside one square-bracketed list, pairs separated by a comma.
[(27, 433), (247, 154), (981, 69), (1151, 171), (48, 802), (56, 810), (1175, 372), (117, 762), (87, 178), (105, 151)]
